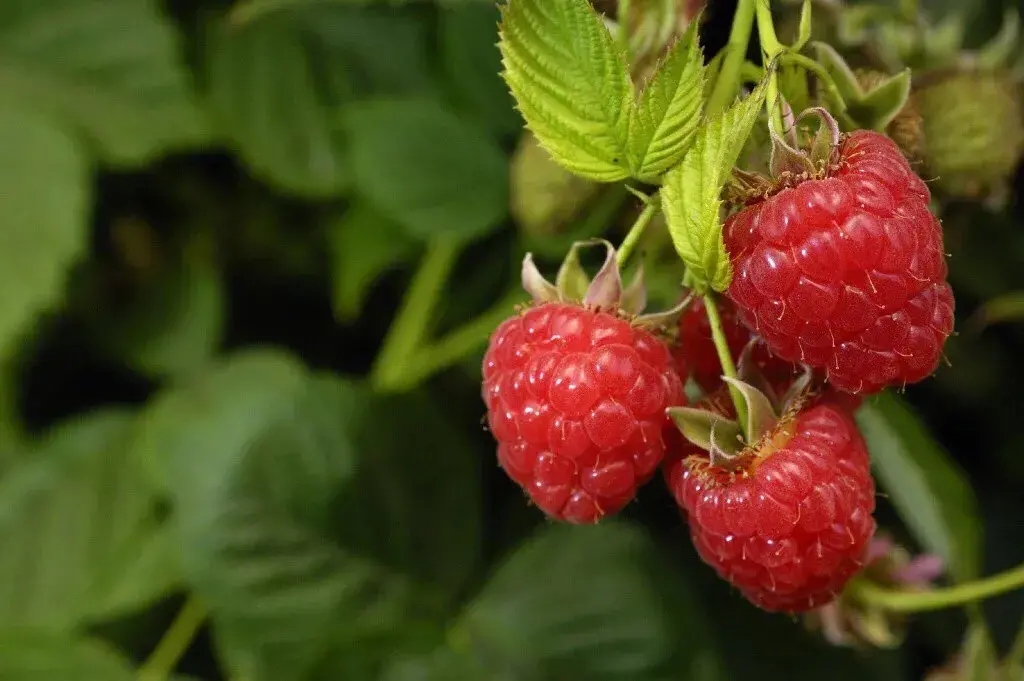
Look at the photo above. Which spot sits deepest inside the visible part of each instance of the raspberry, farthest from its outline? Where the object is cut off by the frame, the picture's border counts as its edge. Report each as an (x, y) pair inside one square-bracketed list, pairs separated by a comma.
[(789, 522), (847, 274), (577, 387), (695, 352), (576, 399)]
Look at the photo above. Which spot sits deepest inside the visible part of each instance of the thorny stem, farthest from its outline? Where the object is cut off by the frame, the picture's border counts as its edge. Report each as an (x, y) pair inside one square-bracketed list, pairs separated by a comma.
[(955, 596), (407, 330), (637, 230), (177, 639), (771, 48), (725, 357), (728, 80)]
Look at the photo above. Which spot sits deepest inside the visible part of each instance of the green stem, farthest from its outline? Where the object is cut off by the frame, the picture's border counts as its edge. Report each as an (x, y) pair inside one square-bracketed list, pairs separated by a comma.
[(818, 70), (176, 640), (771, 48), (725, 357), (628, 244), (414, 316), (727, 82), (461, 342), (939, 599)]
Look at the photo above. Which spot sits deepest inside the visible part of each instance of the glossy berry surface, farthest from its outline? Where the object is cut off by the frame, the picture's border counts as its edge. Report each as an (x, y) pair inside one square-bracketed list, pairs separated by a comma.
[(789, 525), (695, 353), (847, 274), (576, 400)]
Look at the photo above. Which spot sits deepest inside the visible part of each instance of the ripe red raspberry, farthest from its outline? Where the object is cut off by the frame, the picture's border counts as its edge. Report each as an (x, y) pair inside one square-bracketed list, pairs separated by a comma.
[(789, 521), (576, 399), (577, 389), (695, 353), (847, 273)]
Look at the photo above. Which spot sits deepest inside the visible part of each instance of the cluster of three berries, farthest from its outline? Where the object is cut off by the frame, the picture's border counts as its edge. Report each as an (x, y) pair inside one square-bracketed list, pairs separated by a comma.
[(844, 275)]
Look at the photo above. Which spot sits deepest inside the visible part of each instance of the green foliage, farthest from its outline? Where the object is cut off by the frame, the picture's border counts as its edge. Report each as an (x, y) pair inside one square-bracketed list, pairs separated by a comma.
[(931, 494), (425, 169), (690, 196), (364, 244), (598, 597), (667, 113), (262, 461), (31, 656), (80, 533), (110, 71), (570, 82), (43, 206)]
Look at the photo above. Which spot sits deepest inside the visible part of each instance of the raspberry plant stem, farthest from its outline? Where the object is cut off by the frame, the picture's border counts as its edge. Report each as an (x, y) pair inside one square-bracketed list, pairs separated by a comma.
[(771, 48), (176, 640), (955, 596), (637, 230), (391, 370), (725, 357), (728, 81), (1016, 655)]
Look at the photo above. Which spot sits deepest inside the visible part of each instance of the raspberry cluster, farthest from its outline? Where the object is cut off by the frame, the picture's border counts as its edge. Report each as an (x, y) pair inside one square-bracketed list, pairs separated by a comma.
[(839, 290)]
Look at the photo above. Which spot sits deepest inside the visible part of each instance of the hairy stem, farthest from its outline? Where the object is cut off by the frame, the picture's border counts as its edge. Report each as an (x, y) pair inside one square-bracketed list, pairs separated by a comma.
[(771, 48), (176, 640), (727, 82), (939, 599), (637, 230), (414, 316), (725, 357)]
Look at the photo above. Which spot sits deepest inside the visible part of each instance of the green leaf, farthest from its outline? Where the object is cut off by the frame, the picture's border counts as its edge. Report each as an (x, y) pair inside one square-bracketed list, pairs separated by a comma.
[(110, 70), (364, 245), (668, 112), (574, 603), (691, 192), (426, 169), (571, 83), (261, 84), (173, 324), (44, 209), (77, 520), (440, 665), (276, 83), (931, 494), (35, 656), (471, 64), (308, 524)]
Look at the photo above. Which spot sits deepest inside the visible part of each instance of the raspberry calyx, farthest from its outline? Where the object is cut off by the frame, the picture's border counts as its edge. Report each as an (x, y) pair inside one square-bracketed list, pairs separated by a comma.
[(790, 164)]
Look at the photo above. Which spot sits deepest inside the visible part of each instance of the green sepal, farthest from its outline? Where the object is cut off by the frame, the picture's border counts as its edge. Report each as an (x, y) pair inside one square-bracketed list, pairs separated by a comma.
[(873, 109), (761, 415), (845, 79), (711, 431)]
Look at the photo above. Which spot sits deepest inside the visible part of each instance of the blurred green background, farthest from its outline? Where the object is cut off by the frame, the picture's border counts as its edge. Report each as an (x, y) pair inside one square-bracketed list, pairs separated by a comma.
[(210, 216)]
